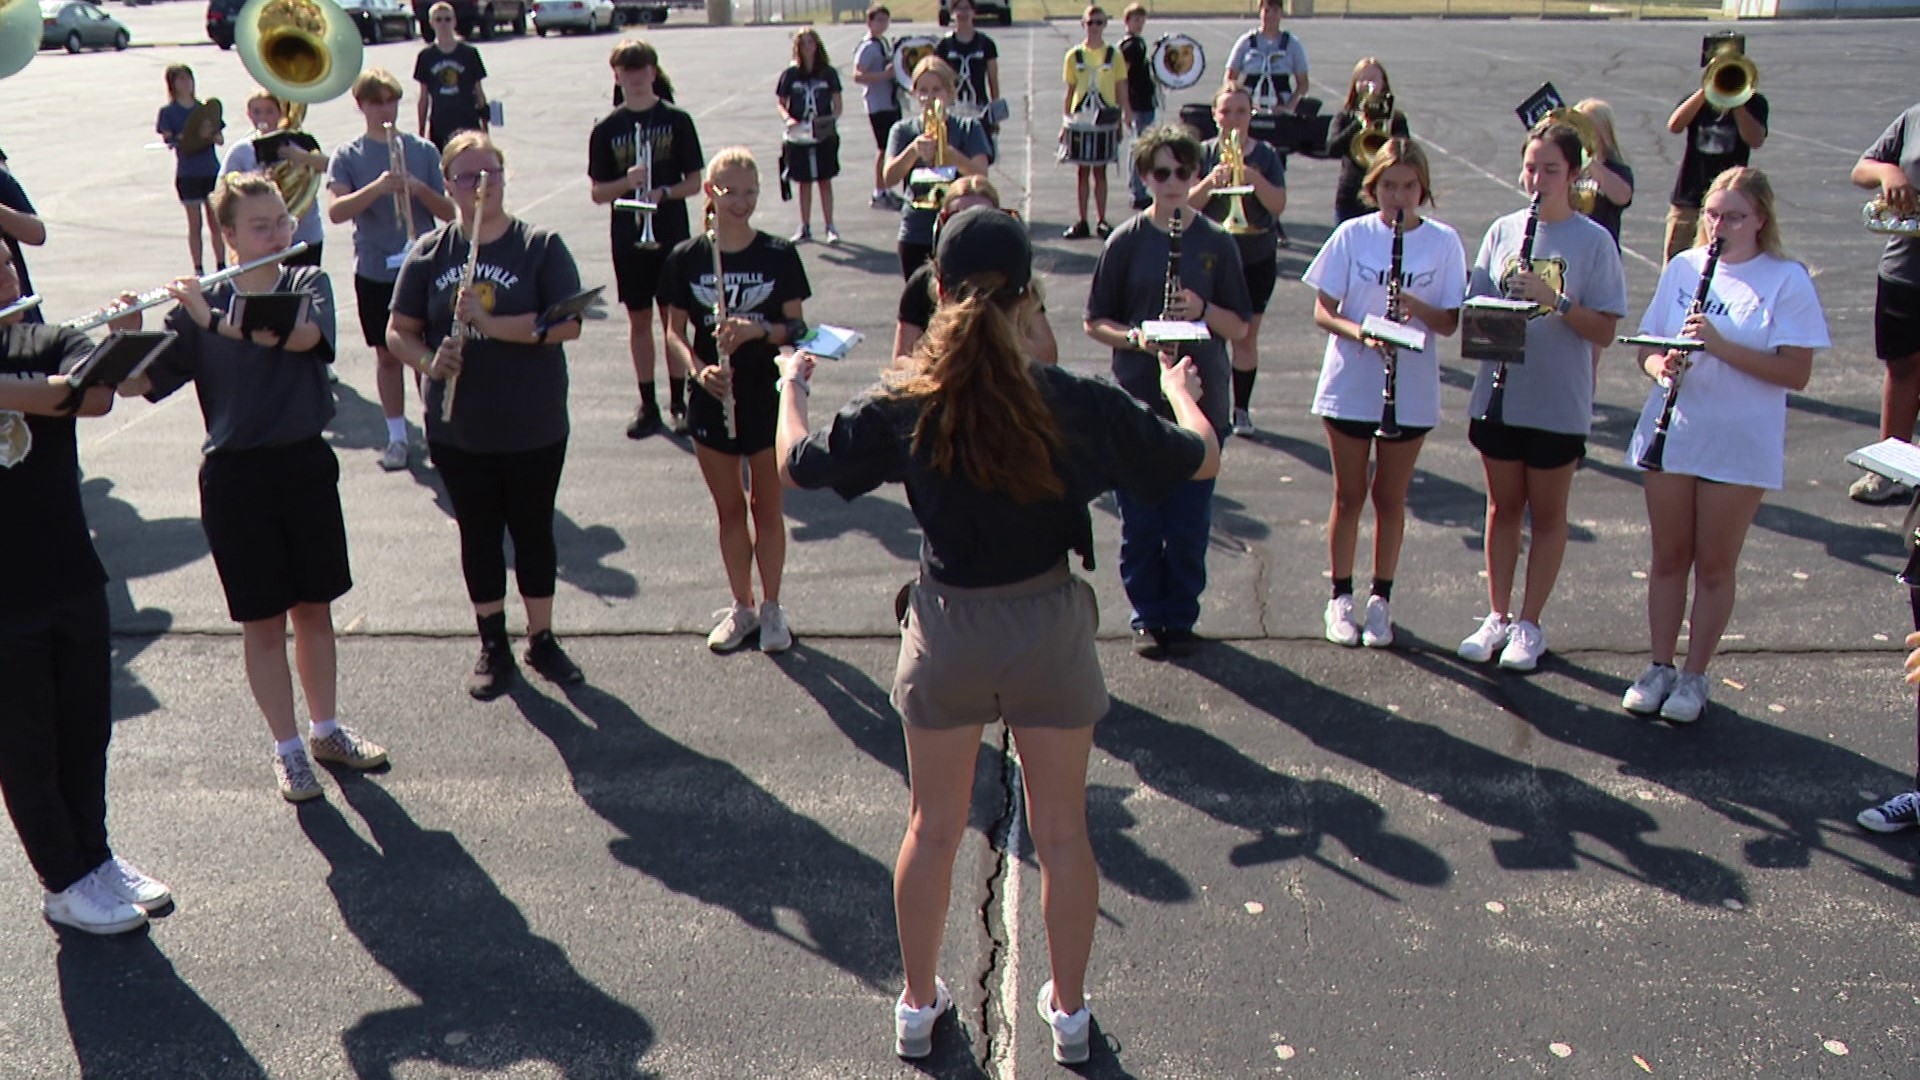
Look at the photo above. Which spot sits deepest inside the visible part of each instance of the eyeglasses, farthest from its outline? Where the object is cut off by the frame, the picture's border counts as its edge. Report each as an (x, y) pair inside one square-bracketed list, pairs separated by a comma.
[(1161, 174), (440, 19), (283, 223), (1096, 22), (1735, 219), (470, 181)]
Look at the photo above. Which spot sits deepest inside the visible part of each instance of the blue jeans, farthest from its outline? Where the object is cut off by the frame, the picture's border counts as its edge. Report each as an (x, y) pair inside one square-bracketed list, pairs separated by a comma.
[(1142, 120), (1163, 555)]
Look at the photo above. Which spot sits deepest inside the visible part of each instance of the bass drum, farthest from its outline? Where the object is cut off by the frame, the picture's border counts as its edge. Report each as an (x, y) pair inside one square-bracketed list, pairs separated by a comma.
[(1178, 62), (907, 53), (1197, 117)]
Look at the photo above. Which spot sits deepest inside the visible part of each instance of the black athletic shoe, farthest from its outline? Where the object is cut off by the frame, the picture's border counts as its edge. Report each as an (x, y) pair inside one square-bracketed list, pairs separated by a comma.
[(493, 672), (1078, 231), (1150, 643), (1180, 642), (645, 422), (1105, 230), (545, 656), (1280, 235)]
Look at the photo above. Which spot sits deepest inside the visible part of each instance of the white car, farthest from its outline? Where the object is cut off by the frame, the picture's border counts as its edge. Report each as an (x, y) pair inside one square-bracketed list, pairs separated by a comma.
[(380, 20), (587, 16)]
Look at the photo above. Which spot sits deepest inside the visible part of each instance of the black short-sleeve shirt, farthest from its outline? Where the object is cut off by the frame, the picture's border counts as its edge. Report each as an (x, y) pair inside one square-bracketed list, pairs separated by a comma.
[(1714, 145), (969, 60), (612, 150), (760, 279), (1346, 190), (14, 197), (450, 78), (1140, 89), (46, 553), (972, 538)]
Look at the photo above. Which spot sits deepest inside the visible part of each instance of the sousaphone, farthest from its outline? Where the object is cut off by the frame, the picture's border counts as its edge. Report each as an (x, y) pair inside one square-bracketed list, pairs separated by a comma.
[(302, 52), (1178, 62), (19, 34), (907, 54)]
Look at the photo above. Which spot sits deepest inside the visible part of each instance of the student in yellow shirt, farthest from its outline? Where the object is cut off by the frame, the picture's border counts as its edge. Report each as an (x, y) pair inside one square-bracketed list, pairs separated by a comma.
[(1094, 70)]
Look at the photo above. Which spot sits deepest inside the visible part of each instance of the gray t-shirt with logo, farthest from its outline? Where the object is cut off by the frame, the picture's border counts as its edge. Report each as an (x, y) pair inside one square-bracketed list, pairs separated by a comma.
[(1553, 389), (377, 231), (1900, 145)]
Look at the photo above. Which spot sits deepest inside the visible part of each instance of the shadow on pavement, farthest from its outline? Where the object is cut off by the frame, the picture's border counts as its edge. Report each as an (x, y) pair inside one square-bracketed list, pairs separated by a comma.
[(129, 1013), (823, 515), (132, 548), (427, 912), (700, 827), (1288, 819), (1549, 810)]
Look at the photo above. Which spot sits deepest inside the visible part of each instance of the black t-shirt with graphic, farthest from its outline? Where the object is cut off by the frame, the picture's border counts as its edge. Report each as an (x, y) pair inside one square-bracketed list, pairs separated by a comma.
[(805, 94), (676, 156), (1605, 210), (46, 553), (760, 279), (969, 60), (971, 538), (1140, 89), (1713, 146), (450, 78), (512, 396)]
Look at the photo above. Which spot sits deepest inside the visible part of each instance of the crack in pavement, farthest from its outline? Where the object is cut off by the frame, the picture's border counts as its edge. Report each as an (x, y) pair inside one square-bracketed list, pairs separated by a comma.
[(1002, 839)]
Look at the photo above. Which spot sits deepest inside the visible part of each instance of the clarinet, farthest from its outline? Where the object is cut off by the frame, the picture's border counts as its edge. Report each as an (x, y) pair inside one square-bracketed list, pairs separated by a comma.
[(1653, 459), (1389, 410), (1497, 392), (1173, 267)]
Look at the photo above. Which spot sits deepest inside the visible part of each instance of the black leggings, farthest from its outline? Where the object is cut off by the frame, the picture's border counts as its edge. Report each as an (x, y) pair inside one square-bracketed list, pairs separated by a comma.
[(497, 494), (55, 721)]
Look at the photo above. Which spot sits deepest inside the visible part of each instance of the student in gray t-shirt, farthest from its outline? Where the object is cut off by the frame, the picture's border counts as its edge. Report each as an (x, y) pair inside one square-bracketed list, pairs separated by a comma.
[(910, 148), (362, 188), (1580, 292), (1891, 168)]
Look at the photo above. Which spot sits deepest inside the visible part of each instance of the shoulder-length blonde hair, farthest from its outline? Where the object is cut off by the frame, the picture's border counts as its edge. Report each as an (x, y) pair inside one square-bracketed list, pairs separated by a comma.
[(1753, 185), (1398, 151), (1601, 114)]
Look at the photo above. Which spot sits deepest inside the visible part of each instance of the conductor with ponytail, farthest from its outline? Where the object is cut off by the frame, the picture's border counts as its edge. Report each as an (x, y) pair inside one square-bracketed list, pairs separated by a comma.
[(1000, 457)]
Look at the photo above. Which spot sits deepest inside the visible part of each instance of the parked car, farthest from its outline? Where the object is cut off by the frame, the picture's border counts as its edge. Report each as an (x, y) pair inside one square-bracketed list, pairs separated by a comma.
[(475, 18), (79, 24), (220, 17), (984, 9), (380, 20), (644, 12), (585, 16)]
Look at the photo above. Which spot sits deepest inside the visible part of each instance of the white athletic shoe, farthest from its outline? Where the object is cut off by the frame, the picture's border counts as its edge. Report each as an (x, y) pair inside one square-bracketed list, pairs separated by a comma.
[(913, 1028), (1492, 636), (1688, 700), (736, 623), (86, 905), (126, 883), (1525, 646), (1339, 621), (1650, 690), (775, 635), (1379, 629), (1072, 1032)]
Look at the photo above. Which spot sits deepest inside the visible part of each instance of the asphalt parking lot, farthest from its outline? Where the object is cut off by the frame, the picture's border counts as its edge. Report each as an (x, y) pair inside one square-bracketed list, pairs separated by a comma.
[(1316, 862)]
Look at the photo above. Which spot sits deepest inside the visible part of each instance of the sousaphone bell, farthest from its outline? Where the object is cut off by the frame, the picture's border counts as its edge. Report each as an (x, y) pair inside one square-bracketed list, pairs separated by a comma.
[(303, 52)]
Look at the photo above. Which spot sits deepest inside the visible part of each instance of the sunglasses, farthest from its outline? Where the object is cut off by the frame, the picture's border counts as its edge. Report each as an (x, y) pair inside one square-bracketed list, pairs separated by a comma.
[(1161, 174)]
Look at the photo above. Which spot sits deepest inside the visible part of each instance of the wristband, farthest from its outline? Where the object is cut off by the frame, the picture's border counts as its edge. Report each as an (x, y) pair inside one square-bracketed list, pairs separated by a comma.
[(76, 396), (1563, 305), (214, 315)]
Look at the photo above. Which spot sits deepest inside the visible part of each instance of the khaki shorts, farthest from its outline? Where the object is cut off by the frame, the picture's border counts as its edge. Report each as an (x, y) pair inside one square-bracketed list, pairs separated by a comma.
[(1023, 653), (1681, 224)]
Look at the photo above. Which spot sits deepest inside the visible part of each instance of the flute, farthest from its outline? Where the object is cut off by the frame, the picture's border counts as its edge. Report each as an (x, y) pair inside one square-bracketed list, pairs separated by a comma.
[(155, 297), (461, 331), (720, 313), (1390, 353), (25, 303), (1653, 459)]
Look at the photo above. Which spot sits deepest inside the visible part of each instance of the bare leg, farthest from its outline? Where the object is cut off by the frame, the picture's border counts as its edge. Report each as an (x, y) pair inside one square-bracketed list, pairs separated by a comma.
[(314, 652), (194, 247), (826, 202), (806, 206), (265, 645), (1246, 350), (722, 474), (390, 380), (1547, 513), (1083, 182), (1670, 521), (640, 342), (1391, 477), (1900, 398), (1053, 774), (1100, 191), (1349, 499), (767, 501), (1506, 512), (940, 780), (539, 613), (1720, 530)]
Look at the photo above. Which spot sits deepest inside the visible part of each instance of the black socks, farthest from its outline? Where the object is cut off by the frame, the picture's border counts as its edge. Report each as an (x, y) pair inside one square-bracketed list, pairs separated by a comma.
[(1243, 389)]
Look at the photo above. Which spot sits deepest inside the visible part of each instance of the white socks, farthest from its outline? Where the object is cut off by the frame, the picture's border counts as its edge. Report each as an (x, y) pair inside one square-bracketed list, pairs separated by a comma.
[(324, 728), (396, 429), (291, 746)]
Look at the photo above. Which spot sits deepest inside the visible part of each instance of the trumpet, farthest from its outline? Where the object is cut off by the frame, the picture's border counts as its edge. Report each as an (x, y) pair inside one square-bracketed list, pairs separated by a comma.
[(155, 297), (1233, 154), (397, 166), (1376, 125), (1879, 216), (927, 194), (642, 210)]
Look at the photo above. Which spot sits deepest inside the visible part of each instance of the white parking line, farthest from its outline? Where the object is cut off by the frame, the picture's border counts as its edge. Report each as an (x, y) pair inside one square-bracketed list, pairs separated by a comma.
[(1010, 920), (1515, 188)]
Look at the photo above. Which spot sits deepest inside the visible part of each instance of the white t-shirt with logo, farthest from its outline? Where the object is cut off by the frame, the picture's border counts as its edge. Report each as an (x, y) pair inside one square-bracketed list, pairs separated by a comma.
[(1353, 269), (1727, 425)]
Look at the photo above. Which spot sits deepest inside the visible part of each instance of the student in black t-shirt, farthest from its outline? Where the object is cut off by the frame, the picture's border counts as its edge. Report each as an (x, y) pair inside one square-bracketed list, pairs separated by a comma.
[(19, 224), (1000, 458), (615, 170), (449, 72), (1607, 178), (1347, 203), (763, 286), (1143, 95), (1716, 141), (809, 99), (917, 300), (501, 446), (975, 60), (269, 483), (55, 716)]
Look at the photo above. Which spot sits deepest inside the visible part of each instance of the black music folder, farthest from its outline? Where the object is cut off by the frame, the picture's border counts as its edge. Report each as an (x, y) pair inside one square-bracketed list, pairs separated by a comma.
[(577, 306), (278, 312), (122, 355)]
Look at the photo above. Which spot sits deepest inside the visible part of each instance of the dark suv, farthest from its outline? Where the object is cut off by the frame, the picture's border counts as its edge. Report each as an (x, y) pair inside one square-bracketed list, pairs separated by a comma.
[(476, 18), (1001, 10), (220, 17)]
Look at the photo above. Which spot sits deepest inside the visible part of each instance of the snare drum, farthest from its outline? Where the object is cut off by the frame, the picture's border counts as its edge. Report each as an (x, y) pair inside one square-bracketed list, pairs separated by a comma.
[(1090, 138)]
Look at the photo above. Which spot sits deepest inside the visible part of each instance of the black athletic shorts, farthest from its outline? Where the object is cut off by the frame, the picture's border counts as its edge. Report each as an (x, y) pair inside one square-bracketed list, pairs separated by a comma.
[(882, 124), (756, 409), (1896, 320), (811, 164), (272, 518), (912, 256), (1364, 429), (375, 300), (1533, 447), (193, 189), (636, 273), (1260, 279)]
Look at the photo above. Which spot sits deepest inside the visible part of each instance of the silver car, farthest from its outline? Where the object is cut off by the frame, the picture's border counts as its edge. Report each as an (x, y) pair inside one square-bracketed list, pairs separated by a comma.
[(77, 24), (587, 16)]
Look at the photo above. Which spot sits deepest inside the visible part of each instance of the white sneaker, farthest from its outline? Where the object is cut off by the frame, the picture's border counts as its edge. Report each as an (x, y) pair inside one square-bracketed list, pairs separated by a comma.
[(85, 905), (775, 635), (1650, 690), (1379, 630), (1525, 645), (913, 1028), (1492, 636), (1072, 1032), (1339, 621), (833, 236), (1242, 422), (126, 883), (394, 457), (1688, 700), (736, 623), (1874, 488)]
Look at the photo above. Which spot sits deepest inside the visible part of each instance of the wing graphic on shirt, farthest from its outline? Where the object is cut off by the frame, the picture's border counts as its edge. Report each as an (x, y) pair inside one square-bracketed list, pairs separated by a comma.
[(702, 294), (751, 297)]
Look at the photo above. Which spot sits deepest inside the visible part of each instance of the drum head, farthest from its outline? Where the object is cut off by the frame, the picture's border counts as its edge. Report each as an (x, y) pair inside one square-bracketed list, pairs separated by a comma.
[(1178, 62), (907, 54)]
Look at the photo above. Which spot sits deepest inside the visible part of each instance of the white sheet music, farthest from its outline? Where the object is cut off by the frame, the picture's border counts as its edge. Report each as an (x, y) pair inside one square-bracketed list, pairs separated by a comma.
[(1892, 459)]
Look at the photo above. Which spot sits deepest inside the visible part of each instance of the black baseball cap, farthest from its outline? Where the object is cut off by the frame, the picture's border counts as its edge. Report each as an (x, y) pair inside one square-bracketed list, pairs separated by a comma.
[(983, 240)]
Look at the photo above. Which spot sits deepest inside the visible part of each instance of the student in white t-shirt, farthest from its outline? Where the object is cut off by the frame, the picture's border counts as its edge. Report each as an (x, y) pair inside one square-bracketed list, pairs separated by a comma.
[(1727, 443), (1351, 275)]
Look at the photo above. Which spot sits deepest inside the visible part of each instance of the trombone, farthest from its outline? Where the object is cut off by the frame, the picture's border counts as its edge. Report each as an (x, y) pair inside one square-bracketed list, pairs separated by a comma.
[(1376, 125)]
